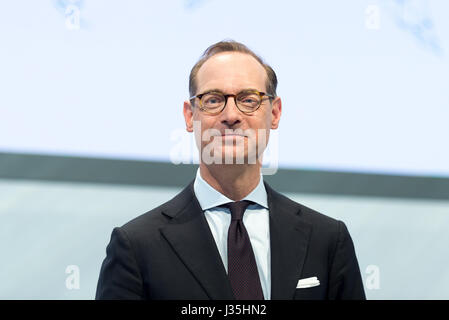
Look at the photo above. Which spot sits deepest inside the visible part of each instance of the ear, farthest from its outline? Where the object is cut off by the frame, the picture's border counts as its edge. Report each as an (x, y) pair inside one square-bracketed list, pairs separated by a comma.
[(276, 112), (188, 115)]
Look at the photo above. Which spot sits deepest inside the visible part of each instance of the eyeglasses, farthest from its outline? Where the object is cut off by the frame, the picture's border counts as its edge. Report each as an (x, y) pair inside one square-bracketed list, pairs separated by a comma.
[(214, 102)]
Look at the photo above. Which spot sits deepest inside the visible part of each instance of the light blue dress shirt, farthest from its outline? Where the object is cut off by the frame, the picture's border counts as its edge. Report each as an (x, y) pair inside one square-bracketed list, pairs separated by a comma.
[(255, 219)]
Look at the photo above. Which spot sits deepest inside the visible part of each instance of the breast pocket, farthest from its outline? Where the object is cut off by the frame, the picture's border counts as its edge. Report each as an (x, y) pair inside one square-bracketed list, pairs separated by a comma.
[(312, 293)]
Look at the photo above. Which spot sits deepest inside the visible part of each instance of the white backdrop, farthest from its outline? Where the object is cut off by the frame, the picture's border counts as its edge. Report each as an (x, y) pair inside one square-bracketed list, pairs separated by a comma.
[(365, 87), (365, 84)]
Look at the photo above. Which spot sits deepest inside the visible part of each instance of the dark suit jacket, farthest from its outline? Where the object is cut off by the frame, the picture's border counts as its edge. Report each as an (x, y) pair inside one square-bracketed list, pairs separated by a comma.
[(170, 253)]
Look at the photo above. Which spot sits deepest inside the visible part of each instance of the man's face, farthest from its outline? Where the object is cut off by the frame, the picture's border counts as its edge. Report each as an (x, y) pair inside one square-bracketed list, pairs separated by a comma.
[(231, 73)]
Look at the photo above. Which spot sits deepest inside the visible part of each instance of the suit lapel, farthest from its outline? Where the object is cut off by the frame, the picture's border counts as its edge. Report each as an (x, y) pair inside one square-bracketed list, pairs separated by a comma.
[(190, 237), (289, 239)]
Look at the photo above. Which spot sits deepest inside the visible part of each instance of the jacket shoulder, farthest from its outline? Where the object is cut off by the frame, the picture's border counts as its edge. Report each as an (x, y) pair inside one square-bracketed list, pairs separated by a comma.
[(160, 215), (305, 213)]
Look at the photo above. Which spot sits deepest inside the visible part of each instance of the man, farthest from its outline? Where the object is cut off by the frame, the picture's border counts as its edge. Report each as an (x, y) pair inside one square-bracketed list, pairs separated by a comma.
[(228, 234)]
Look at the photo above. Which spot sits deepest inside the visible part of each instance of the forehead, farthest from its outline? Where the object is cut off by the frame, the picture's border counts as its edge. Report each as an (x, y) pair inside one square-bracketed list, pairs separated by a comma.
[(231, 72)]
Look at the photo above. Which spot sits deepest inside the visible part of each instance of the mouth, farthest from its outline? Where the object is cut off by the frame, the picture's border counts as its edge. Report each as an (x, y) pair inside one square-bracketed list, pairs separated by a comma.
[(232, 136)]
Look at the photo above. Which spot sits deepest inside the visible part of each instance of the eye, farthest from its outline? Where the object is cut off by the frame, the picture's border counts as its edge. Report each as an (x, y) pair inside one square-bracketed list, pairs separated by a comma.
[(249, 99), (211, 99)]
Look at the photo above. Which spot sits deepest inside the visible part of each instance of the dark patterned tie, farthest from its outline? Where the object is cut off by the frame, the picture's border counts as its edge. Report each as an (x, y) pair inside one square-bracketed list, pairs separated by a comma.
[(242, 268)]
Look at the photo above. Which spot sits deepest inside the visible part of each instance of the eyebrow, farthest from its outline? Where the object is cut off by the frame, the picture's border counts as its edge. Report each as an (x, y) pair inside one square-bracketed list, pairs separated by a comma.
[(218, 90)]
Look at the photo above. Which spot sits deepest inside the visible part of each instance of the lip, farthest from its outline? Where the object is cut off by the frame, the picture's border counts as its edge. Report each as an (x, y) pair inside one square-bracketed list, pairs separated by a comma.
[(232, 135)]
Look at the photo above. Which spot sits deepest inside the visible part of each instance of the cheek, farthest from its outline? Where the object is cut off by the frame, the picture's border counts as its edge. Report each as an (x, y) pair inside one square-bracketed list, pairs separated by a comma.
[(268, 119), (265, 127), (200, 122), (262, 122), (204, 128), (261, 128)]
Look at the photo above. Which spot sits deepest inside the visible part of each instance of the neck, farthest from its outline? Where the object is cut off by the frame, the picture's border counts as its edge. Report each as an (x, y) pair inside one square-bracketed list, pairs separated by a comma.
[(234, 181)]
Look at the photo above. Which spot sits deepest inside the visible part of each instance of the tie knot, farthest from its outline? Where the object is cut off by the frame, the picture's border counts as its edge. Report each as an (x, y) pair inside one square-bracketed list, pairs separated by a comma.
[(237, 208)]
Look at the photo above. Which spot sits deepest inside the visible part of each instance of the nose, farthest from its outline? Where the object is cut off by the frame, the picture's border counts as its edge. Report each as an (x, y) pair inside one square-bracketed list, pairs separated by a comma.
[(231, 115)]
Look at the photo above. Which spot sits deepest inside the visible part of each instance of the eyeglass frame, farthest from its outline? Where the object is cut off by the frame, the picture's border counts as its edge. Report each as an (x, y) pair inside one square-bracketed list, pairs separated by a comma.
[(260, 94)]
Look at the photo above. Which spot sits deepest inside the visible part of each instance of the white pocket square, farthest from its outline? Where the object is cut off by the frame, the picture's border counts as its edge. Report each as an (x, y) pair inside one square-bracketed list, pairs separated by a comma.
[(307, 283)]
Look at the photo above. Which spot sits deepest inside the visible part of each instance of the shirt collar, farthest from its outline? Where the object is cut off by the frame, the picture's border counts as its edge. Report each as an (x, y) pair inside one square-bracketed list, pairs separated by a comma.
[(209, 198)]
